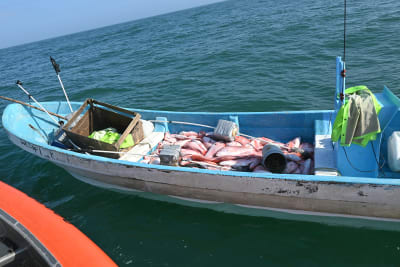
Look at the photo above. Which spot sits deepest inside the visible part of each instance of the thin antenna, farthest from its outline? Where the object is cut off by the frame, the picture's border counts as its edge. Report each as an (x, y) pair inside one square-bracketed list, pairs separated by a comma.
[(344, 33), (343, 73)]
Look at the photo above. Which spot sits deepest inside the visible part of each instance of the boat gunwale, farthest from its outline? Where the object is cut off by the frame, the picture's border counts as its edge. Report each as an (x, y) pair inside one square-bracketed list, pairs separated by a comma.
[(295, 177)]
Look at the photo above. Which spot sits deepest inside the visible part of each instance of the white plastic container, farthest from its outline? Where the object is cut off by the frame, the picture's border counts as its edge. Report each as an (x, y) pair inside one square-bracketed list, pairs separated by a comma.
[(148, 128), (394, 151)]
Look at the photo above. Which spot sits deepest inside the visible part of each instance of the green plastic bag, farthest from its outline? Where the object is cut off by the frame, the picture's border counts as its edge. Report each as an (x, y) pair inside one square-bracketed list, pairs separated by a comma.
[(111, 136)]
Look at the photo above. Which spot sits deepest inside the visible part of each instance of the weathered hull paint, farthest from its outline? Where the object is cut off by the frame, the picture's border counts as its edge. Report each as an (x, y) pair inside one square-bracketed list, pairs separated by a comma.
[(340, 198)]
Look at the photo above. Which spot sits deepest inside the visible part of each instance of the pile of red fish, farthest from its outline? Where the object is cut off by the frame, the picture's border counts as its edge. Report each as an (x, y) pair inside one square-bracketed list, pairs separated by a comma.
[(201, 150)]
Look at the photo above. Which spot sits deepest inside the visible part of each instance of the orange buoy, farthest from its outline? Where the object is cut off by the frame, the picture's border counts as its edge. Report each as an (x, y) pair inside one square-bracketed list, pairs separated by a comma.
[(31, 226)]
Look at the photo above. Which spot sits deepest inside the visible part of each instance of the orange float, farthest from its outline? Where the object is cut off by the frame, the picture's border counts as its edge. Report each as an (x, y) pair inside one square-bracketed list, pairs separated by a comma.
[(33, 235)]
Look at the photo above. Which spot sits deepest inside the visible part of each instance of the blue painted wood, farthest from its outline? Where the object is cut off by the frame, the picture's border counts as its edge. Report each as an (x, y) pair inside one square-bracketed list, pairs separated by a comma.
[(161, 126), (323, 127), (339, 82), (392, 98)]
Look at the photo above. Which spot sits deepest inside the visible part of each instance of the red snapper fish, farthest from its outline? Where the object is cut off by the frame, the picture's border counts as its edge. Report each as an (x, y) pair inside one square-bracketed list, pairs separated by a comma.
[(196, 145), (201, 146), (240, 163), (204, 165), (236, 151), (181, 137), (208, 142), (223, 158), (255, 163), (295, 143), (241, 139), (261, 169), (307, 147), (233, 143), (201, 134), (169, 138), (307, 166), (189, 152), (291, 167), (292, 156), (214, 149), (265, 141), (189, 133), (182, 143), (258, 144)]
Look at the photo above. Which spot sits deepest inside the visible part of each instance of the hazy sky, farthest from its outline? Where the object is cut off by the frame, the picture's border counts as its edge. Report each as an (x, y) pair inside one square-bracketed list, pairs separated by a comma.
[(25, 21)]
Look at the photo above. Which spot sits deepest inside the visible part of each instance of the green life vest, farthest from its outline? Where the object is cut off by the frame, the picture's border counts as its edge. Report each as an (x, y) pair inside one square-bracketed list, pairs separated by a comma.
[(357, 120)]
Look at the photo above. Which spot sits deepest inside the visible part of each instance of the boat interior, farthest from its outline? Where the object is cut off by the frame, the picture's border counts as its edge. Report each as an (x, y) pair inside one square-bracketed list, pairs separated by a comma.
[(315, 127)]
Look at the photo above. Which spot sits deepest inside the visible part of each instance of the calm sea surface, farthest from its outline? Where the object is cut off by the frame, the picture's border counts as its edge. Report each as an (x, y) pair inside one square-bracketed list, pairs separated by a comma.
[(240, 55)]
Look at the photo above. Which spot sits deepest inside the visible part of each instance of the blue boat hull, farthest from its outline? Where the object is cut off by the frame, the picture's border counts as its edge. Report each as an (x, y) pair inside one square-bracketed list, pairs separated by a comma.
[(368, 195)]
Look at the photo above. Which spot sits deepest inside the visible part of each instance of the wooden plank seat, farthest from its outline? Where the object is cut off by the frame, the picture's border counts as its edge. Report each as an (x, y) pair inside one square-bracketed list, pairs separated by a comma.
[(149, 143), (144, 147)]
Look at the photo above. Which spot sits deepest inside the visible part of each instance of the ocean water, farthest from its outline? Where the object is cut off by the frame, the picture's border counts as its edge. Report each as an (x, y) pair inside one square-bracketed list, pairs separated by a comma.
[(239, 55)]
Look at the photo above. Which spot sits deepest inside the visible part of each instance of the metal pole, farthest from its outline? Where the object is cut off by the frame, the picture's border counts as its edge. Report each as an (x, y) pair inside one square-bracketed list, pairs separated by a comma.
[(57, 70), (19, 84), (65, 93)]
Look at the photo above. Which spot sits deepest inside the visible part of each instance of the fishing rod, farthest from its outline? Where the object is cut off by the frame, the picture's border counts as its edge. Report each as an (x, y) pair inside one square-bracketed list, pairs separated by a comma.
[(57, 70), (31, 106), (19, 84)]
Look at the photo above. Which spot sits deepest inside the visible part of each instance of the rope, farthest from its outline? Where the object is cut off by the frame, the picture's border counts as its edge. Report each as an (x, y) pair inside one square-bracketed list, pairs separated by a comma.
[(184, 122), (78, 149), (111, 152), (357, 169)]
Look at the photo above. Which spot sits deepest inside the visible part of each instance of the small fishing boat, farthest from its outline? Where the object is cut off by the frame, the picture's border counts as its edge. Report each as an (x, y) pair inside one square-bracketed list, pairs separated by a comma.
[(33, 235), (347, 181)]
